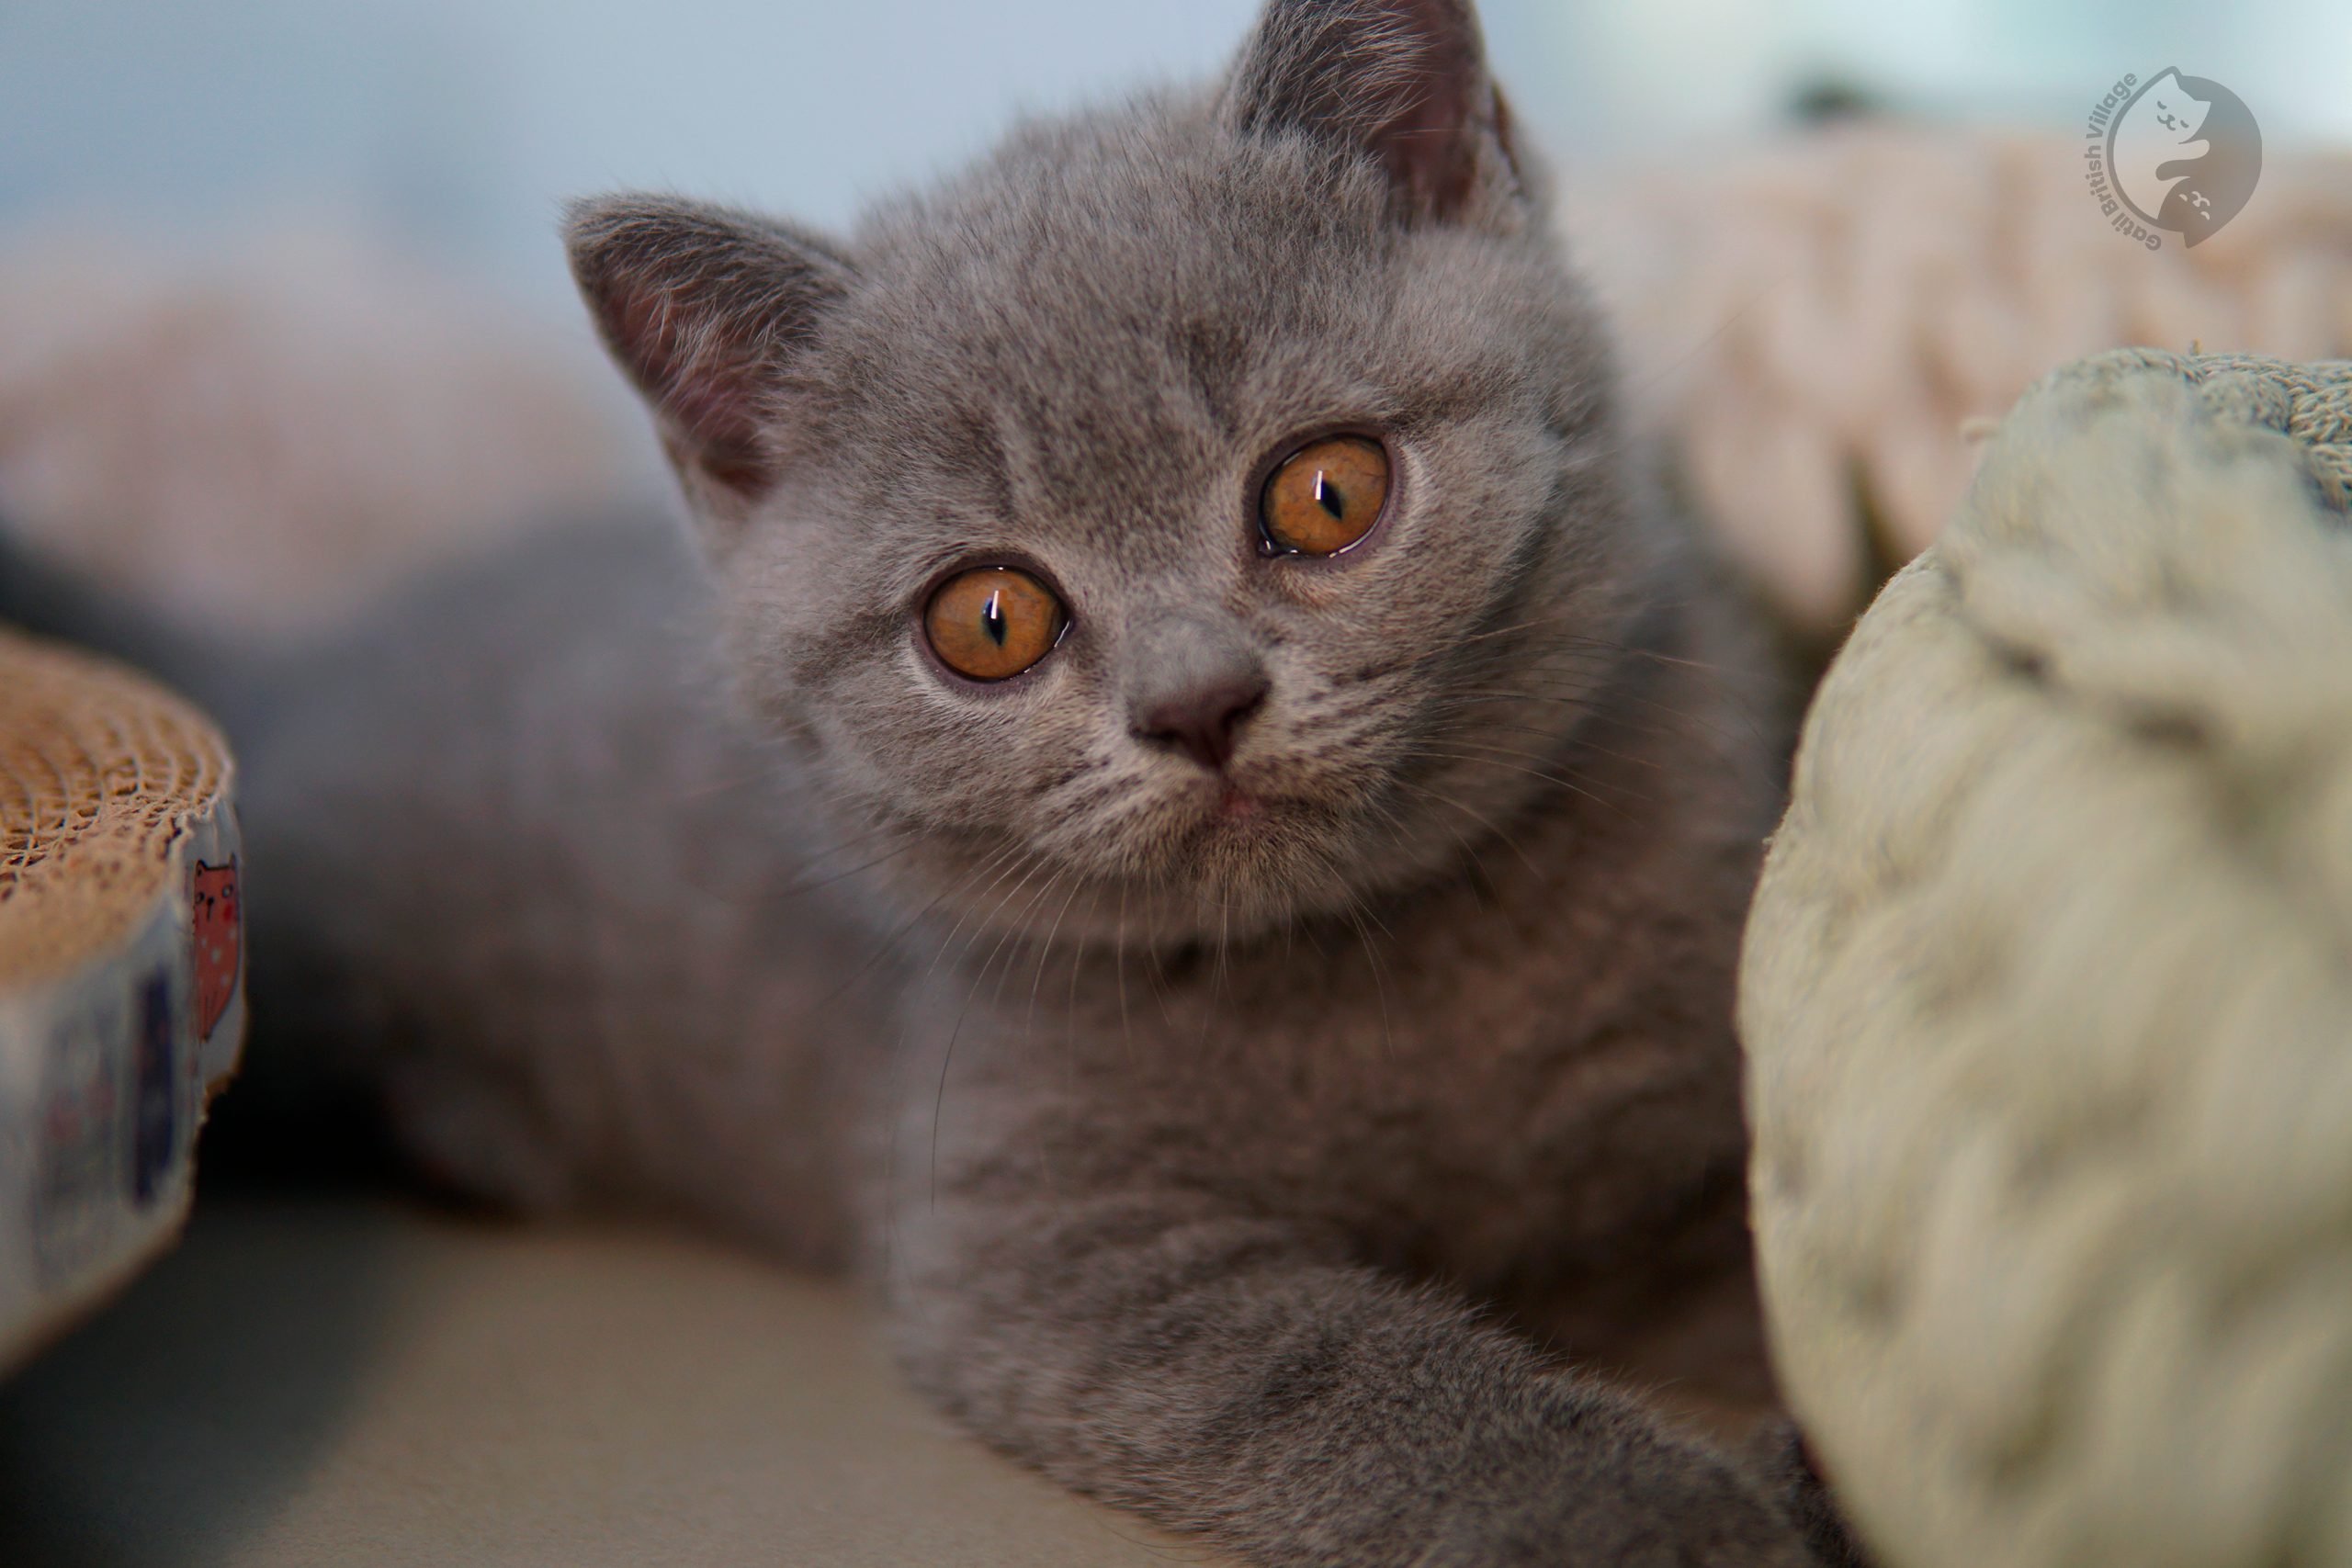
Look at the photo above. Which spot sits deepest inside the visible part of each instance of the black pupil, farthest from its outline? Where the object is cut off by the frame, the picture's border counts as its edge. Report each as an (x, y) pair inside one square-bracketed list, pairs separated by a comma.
[(1328, 494), (992, 617)]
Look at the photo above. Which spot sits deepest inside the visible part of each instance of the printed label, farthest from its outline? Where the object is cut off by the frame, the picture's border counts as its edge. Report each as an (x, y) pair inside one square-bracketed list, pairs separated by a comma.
[(215, 942)]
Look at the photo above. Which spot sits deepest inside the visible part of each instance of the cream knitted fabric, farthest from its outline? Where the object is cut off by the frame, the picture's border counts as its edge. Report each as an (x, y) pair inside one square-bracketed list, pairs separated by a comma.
[(2048, 992), (1812, 320)]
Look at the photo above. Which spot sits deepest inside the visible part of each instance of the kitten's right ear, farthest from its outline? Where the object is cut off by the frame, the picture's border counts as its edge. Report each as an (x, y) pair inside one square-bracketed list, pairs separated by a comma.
[(1403, 81), (705, 309)]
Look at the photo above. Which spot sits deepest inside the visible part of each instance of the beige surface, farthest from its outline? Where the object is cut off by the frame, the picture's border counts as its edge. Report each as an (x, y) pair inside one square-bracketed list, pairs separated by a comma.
[(353, 1384)]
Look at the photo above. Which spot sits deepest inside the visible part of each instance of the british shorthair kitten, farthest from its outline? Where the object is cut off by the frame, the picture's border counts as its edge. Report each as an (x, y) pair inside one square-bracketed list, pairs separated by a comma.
[(1192, 824)]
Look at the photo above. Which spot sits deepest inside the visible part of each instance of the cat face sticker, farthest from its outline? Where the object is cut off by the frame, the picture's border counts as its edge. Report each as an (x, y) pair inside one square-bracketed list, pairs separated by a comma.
[(216, 942)]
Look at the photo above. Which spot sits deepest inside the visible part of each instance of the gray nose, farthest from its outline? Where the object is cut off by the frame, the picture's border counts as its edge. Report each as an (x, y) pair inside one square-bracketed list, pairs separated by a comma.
[(1192, 685)]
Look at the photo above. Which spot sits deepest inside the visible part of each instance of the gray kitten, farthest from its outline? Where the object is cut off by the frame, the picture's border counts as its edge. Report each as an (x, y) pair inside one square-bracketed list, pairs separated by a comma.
[(1195, 827)]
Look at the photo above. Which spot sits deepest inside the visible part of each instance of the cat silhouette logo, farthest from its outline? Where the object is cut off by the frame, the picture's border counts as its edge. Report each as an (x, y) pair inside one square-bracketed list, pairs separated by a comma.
[(2182, 155), (215, 942)]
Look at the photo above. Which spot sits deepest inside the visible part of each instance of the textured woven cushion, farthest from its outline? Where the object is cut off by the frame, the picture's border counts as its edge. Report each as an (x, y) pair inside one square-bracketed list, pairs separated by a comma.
[(2048, 996), (121, 969)]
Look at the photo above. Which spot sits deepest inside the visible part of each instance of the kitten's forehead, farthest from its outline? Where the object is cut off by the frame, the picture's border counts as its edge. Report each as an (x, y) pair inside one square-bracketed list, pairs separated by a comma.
[(1101, 334), (1121, 225), (1111, 311)]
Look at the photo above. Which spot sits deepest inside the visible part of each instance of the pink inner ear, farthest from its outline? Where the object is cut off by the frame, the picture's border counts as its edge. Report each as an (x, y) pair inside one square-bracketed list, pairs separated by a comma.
[(707, 393), (1429, 147)]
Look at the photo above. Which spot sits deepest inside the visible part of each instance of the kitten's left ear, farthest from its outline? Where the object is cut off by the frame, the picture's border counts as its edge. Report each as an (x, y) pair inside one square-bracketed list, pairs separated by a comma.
[(1404, 80), (706, 309)]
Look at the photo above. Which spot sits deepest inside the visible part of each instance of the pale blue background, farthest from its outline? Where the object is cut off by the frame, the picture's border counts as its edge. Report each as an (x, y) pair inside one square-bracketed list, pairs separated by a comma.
[(458, 126)]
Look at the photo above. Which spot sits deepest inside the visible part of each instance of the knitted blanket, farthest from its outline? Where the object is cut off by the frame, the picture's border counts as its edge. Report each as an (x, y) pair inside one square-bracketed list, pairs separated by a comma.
[(1813, 321)]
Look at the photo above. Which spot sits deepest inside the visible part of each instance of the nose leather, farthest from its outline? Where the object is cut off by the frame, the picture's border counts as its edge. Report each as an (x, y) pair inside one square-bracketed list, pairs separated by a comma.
[(1194, 682)]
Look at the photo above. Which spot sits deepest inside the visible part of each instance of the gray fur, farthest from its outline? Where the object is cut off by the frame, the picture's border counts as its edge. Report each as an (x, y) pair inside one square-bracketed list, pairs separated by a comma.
[(1270, 1171)]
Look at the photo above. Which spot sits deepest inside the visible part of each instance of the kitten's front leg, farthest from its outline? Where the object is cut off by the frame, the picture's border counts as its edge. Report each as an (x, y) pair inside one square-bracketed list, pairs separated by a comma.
[(1235, 1373)]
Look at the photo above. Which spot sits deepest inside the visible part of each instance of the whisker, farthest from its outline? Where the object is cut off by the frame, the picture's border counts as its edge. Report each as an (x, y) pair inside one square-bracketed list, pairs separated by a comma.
[(1567, 739), (955, 1032), (1380, 987), (1532, 772), (793, 889), (1506, 840), (889, 944), (1077, 884)]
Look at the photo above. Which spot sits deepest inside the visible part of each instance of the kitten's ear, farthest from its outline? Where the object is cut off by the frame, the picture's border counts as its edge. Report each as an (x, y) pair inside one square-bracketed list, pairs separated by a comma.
[(705, 310), (1403, 80)]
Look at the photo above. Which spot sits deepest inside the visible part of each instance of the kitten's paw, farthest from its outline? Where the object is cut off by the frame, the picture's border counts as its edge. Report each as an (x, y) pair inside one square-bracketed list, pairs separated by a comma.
[(1667, 1506)]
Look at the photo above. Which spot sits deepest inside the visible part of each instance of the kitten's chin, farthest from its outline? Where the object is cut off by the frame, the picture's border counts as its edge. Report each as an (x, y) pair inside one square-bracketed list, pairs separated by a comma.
[(1224, 858), (1234, 865)]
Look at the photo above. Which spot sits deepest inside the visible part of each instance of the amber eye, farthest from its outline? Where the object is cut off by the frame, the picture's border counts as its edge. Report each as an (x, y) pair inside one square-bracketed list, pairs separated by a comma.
[(993, 622), (1325, 498)]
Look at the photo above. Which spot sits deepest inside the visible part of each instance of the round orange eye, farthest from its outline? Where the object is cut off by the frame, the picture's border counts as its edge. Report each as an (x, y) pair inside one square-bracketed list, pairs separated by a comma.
[(1325, 498), (993, 622)]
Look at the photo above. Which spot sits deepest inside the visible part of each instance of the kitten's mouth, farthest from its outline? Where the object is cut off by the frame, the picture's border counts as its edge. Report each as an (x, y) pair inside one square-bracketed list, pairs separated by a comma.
[(1231, 814), (1240, 821), (1231, 826)]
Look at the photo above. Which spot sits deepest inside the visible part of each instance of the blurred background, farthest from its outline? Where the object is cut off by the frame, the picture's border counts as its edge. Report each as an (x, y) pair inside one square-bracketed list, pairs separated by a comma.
[(283, 316), (456, 125)]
